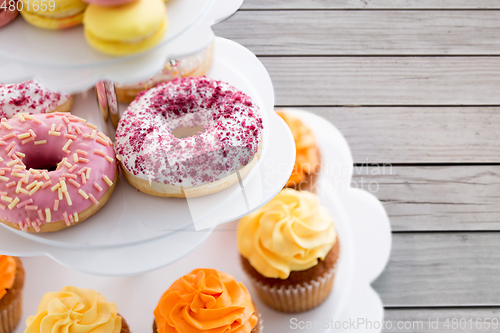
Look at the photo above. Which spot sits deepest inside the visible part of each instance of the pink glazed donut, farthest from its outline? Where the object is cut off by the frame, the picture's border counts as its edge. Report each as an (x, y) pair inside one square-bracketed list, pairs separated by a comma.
[(189, 137), (56, 170)]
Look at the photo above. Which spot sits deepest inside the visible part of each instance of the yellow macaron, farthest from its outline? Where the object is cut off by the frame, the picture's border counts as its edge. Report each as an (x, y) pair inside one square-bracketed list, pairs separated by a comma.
[(125, 29), (54, 14)]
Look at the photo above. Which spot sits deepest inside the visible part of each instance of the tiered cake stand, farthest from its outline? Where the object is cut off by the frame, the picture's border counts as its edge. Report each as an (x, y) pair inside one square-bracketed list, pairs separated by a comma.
[(137, 234)]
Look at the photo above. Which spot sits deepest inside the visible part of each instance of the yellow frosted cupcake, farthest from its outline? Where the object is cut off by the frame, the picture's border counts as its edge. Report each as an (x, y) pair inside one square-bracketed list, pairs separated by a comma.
[(206, 300), (307, 156), (125, 29), (289, 249), (11, 292), (76, 310), (54, 14)]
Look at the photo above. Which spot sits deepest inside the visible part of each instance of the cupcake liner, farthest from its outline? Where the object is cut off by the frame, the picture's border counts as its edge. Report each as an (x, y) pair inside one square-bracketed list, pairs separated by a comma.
[(10, 315), (298, 298)]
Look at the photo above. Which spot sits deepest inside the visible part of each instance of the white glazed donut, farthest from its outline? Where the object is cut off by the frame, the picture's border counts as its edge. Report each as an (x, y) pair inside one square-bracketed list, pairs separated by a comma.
[(32, 98), (157, 162)]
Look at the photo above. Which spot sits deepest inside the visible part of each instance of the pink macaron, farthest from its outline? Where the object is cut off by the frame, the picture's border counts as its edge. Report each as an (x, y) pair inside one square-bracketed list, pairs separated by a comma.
[(108, 3), (6, 16)]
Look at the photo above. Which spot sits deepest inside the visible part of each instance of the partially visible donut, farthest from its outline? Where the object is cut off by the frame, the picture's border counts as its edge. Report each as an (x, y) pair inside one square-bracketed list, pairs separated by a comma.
[(56, 170), (157, 162), (194, 65), (32, 98)]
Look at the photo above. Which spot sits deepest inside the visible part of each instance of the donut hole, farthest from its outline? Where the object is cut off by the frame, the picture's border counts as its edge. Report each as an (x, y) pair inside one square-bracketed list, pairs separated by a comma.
[(186, 131), (42, 161)]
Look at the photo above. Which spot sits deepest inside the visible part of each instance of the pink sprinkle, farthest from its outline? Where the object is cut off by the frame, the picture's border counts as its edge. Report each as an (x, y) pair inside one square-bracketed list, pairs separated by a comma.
[(98, 152), (56, 205), (101, 141), (28, 140), (35, 226), (9, 147), (70, 128), (8, 136), (50, 115), (2, 172), (84, 180), (3, 143), (37, 175), (69, 175), (81, 170), (9, 185), (70, 136), (47, 184), (71, 218), (93, 199), (11, 152), (65, 120), (3, 193), (2, 206), (81, 152), (29, 207), (24, 203), (65, 216), (37, 121), (98, 187), (40, 214), (67, 151), (33, 134), (74, 183), (78, 130), (60, 113), (84, 160), (73, 168), (58, 129), (6, 169)]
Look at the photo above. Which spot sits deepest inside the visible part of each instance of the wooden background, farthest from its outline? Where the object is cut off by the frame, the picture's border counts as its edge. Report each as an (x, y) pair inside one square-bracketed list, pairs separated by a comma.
[(414, 84)]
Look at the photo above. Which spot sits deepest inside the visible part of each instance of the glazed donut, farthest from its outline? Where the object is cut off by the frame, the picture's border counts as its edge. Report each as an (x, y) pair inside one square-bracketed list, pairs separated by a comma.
[(194, 65), (30, 97), (56, 170), (157, 162)]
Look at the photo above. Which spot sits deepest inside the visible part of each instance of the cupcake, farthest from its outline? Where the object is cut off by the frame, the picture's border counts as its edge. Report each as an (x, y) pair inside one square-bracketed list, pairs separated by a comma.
[(11, 292), (307, 159), (76, 310), (289, 249), (206, 300)]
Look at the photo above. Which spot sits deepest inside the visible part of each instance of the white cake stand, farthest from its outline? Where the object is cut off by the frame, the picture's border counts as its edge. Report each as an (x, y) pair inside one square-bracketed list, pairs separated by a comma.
[(135, 232), (365, 240), (62, 60)]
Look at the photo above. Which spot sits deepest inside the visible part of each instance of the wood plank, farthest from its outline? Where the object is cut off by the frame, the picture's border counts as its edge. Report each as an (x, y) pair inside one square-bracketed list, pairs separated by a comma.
[(374, 81), (369, 4), (472, 320), (435, 198), (418, 134), (365, 32), (442, 269)]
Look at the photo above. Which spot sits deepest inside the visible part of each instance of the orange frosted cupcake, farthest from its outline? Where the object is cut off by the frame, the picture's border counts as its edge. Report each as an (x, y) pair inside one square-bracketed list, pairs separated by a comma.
[(11, 292), (307, 159), (206, 300), (289, 249), (76, 310)]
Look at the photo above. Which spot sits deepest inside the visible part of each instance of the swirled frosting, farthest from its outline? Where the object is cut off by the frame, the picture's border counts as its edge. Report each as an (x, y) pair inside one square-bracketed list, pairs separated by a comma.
[(306, 157), (7, 274), (74, 310), (29, 97), (290, 233), (206, 300)]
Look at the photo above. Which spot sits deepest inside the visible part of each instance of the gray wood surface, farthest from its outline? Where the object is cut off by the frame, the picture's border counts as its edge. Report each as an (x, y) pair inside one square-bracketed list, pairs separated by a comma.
[(418, 134), (435, 197), (345, 81), (369, 4), (472, 320), (344, 32), (442, 269)]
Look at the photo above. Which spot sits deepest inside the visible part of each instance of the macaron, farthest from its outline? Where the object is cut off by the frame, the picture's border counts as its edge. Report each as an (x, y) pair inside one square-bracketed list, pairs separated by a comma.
[(7, 16), (106, 3), (63, 14), (126, 29)]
